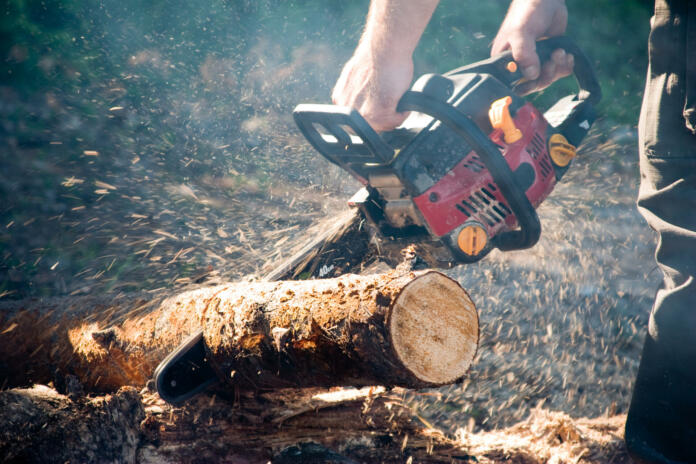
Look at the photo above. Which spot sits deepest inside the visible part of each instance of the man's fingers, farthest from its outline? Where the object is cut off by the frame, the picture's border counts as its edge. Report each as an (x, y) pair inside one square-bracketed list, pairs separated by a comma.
[(560, 65), (381, 118), (547, 75), (552, 69), (523, 48), (565, 68)]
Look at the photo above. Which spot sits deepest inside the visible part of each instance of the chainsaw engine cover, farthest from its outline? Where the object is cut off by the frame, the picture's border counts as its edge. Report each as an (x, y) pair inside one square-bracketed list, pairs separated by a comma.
[(450, 185)]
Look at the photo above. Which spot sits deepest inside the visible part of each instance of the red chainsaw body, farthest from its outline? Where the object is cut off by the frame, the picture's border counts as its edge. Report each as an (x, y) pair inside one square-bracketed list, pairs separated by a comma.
[(468, 193)]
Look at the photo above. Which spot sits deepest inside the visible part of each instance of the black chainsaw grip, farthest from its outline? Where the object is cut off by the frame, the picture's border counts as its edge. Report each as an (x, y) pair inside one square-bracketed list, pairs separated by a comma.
[(498, 66), (527, 218), (589, 89)]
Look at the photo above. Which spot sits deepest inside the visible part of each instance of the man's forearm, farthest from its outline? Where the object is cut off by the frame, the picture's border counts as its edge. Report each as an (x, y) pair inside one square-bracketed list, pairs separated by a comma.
[(381, 68), (394, 27)]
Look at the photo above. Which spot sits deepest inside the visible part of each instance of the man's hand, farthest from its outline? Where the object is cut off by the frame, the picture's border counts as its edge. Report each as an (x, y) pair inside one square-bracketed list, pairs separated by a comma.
[(381, 68), (373, 85), (527, 21)]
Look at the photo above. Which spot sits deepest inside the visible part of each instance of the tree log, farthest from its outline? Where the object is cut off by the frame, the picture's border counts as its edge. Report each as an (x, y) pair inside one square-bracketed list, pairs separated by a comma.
[(41, 425), (399, 328)]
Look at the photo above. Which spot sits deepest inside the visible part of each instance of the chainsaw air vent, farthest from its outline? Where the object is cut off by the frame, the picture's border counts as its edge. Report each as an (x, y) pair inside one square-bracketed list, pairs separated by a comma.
[(484, 205), (537, 145), (474, 163), (487, 193), (537, 148)]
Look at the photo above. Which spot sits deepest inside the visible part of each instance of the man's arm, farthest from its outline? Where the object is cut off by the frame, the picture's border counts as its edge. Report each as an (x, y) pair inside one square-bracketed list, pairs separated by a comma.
[(381, 68)]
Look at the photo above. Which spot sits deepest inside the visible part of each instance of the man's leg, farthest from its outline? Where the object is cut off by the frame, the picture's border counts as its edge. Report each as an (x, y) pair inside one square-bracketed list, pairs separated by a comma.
[(661, 423)]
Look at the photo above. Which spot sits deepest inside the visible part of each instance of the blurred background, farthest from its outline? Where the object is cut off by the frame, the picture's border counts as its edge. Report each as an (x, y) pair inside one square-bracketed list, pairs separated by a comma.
[(137, 139), (147, 146)]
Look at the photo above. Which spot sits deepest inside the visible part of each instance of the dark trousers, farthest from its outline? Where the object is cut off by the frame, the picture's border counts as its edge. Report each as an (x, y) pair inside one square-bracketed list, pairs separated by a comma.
[(661, 424)]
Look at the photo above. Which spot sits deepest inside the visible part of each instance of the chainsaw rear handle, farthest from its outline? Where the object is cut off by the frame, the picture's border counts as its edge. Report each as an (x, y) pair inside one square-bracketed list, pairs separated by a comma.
[(530, 227), (499, 66)]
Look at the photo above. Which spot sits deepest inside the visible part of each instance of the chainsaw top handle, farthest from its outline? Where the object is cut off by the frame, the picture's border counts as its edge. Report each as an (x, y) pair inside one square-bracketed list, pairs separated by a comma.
[(342, 136), (499, 66)]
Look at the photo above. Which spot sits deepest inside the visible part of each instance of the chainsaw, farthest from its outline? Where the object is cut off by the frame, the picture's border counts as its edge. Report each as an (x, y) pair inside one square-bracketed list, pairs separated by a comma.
[(467, 169), (462, 176)]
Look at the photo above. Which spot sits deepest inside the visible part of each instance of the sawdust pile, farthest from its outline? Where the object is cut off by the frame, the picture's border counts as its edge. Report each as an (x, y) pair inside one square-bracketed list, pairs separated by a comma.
[(551, 438)]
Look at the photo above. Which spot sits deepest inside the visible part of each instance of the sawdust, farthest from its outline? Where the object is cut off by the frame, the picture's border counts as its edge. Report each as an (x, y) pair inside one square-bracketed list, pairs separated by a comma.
[(561, 324), (550, 438)]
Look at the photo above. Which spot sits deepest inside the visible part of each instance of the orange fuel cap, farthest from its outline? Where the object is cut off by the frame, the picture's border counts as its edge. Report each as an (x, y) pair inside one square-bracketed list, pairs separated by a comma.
[(499, 114), (560, 150), (472, 239)]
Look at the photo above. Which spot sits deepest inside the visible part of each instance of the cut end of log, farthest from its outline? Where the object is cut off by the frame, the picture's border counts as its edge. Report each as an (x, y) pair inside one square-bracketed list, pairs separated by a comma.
[(434, 329)]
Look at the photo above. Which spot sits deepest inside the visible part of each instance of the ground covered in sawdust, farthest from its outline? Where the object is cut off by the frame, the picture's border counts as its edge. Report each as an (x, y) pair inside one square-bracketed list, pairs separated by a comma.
[(562, 323), (157, 187), (550, 437)]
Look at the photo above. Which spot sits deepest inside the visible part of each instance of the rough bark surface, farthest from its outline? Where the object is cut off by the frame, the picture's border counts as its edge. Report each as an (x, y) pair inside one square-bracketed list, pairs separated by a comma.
[(41, 425), (259, 334), (309, 425), (338, 332), (96, 343)]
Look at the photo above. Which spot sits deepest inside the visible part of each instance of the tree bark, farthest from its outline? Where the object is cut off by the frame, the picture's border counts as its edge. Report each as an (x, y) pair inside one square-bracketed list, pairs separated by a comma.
[(282, 427), (41, 425), (399, 328)]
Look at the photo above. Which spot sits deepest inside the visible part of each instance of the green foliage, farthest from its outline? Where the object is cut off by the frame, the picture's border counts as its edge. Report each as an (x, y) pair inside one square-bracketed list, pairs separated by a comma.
[(32, 36), (55, 43)]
